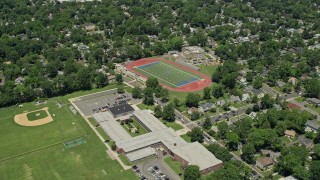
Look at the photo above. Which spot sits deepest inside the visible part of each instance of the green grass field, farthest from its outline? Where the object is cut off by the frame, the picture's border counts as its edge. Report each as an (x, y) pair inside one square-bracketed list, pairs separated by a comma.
[(37, 115), (174, 165), (38, 152), (168, 74)]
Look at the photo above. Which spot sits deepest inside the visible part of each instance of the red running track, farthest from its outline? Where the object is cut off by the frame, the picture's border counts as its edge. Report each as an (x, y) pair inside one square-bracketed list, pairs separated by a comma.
[(194, 86)]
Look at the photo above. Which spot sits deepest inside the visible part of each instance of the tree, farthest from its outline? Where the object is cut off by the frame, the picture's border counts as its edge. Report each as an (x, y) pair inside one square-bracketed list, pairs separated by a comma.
[(120, 90), (152, 83), (266, 102), (223, 129), (217, 91), (158, 111), (312, 87), (192, 100), (196, 134), (101, 80), (168, 112), (195, 115), (137, 93), (176, 102), (192, 172), (233, 140), (229, 80), (207, 123), (221, 153), (148, 96), (248, 152), (257, 82), (164, 95), (206, 93), (315, 170), (119, 78)]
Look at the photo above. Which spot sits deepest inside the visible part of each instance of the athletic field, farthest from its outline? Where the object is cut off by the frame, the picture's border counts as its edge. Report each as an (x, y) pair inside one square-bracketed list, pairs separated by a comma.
[(171, 75), (39, 153), (168, 74)]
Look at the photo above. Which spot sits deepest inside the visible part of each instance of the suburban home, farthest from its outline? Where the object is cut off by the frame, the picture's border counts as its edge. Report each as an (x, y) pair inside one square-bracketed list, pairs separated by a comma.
[(243, 81), (269, 153), (312, 126), (258, 92), (19, 80), (306, 142), (221, 102), (245, 97), (288, 178), (281, 83), (277, 107), (192, 110), (253, 115), (293, 81), (264, 163), (290, 133), (234, 99), (314, 101), (206, 107)]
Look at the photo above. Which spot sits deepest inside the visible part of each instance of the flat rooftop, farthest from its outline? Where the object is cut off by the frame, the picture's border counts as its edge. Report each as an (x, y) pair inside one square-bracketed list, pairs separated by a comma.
[(140, 154), (121, 109), (166, 136), (151, 122), (196, 154)]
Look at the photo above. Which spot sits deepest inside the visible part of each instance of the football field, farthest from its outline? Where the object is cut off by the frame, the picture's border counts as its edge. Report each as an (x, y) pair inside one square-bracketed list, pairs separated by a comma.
[(168, 74)]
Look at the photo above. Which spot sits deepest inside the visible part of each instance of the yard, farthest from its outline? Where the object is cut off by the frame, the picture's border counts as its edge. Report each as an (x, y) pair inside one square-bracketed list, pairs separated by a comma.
[(174, 165), (131, 125), (172, 125), (186, 138)]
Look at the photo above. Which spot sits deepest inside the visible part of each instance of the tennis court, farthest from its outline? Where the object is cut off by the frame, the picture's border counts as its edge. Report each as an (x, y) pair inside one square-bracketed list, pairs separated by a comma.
[(168, 74)]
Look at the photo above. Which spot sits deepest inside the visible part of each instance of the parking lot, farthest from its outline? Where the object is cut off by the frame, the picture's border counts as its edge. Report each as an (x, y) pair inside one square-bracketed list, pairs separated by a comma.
[(156, 169), (94, 103)]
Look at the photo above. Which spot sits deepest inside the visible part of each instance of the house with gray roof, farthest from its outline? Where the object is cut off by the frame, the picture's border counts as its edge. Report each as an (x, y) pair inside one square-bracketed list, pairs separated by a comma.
[(206, 107), (314, 101), (221, 102), (312, 126)]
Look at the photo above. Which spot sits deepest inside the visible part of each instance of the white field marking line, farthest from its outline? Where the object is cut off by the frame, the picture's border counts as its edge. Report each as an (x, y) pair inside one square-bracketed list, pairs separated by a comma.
[(179, 70), (157, 77)]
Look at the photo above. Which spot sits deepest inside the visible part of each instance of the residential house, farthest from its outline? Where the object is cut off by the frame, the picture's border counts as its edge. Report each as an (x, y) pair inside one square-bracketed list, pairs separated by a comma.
[(281, 83), (234, 99), (192, 110), (206, 107), (290, 133), (293, 80), (258, 92), (306, 142), (277, 107), (312, 126), (19, 80), (314, 101), (264, 163), (288, 178), (221, 102), (245, 97), (243, 81), (89, 27), (269, 153), (253, 115)]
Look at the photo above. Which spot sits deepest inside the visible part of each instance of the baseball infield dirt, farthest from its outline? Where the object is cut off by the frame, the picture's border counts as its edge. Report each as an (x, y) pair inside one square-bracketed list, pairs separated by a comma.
[(22, 119)]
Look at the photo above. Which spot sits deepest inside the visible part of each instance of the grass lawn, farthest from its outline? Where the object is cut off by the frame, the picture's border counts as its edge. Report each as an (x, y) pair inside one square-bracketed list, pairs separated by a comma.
[(37, 115), (124, 160), (317, 109), (92, 121), (143, 106), (172, 125), (300, 99), (208, 70), (186, 137), (102, 133), (168, 74), (174, 165), (133, 124), (86, 161)]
